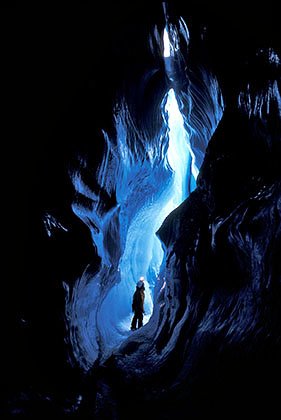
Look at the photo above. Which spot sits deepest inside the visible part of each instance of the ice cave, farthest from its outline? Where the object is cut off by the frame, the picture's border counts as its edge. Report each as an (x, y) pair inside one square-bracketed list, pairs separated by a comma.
[(149, 177), (157, 154)]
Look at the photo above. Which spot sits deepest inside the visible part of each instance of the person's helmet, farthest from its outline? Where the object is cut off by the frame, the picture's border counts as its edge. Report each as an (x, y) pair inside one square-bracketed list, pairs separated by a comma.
[(140, 283)]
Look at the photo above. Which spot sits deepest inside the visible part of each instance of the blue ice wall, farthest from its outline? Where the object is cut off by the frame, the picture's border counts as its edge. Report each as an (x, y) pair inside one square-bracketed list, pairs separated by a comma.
[(149, 177)]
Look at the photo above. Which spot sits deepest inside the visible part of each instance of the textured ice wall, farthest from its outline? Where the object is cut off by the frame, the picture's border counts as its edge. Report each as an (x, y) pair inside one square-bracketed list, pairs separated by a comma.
[(146, 178)]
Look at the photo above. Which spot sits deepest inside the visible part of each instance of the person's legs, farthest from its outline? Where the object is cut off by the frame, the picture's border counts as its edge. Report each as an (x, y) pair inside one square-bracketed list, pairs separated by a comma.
[(134, 322), (140, 320)]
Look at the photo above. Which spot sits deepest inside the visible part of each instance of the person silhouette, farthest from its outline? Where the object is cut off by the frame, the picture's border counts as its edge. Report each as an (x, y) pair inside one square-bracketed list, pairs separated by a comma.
[(138, 305)]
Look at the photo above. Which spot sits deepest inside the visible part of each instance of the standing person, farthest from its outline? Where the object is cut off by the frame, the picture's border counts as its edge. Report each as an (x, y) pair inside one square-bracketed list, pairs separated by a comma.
[(137, 305)]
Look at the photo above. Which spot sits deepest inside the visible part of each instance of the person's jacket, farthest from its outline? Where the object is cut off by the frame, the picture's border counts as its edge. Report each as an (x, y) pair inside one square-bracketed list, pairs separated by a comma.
[(138, 301)]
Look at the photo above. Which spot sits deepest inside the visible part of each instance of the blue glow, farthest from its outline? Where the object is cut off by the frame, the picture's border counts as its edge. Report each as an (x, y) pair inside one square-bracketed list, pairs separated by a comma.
[(52, 224), (166, 42), (259, 103), (149, 178)]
